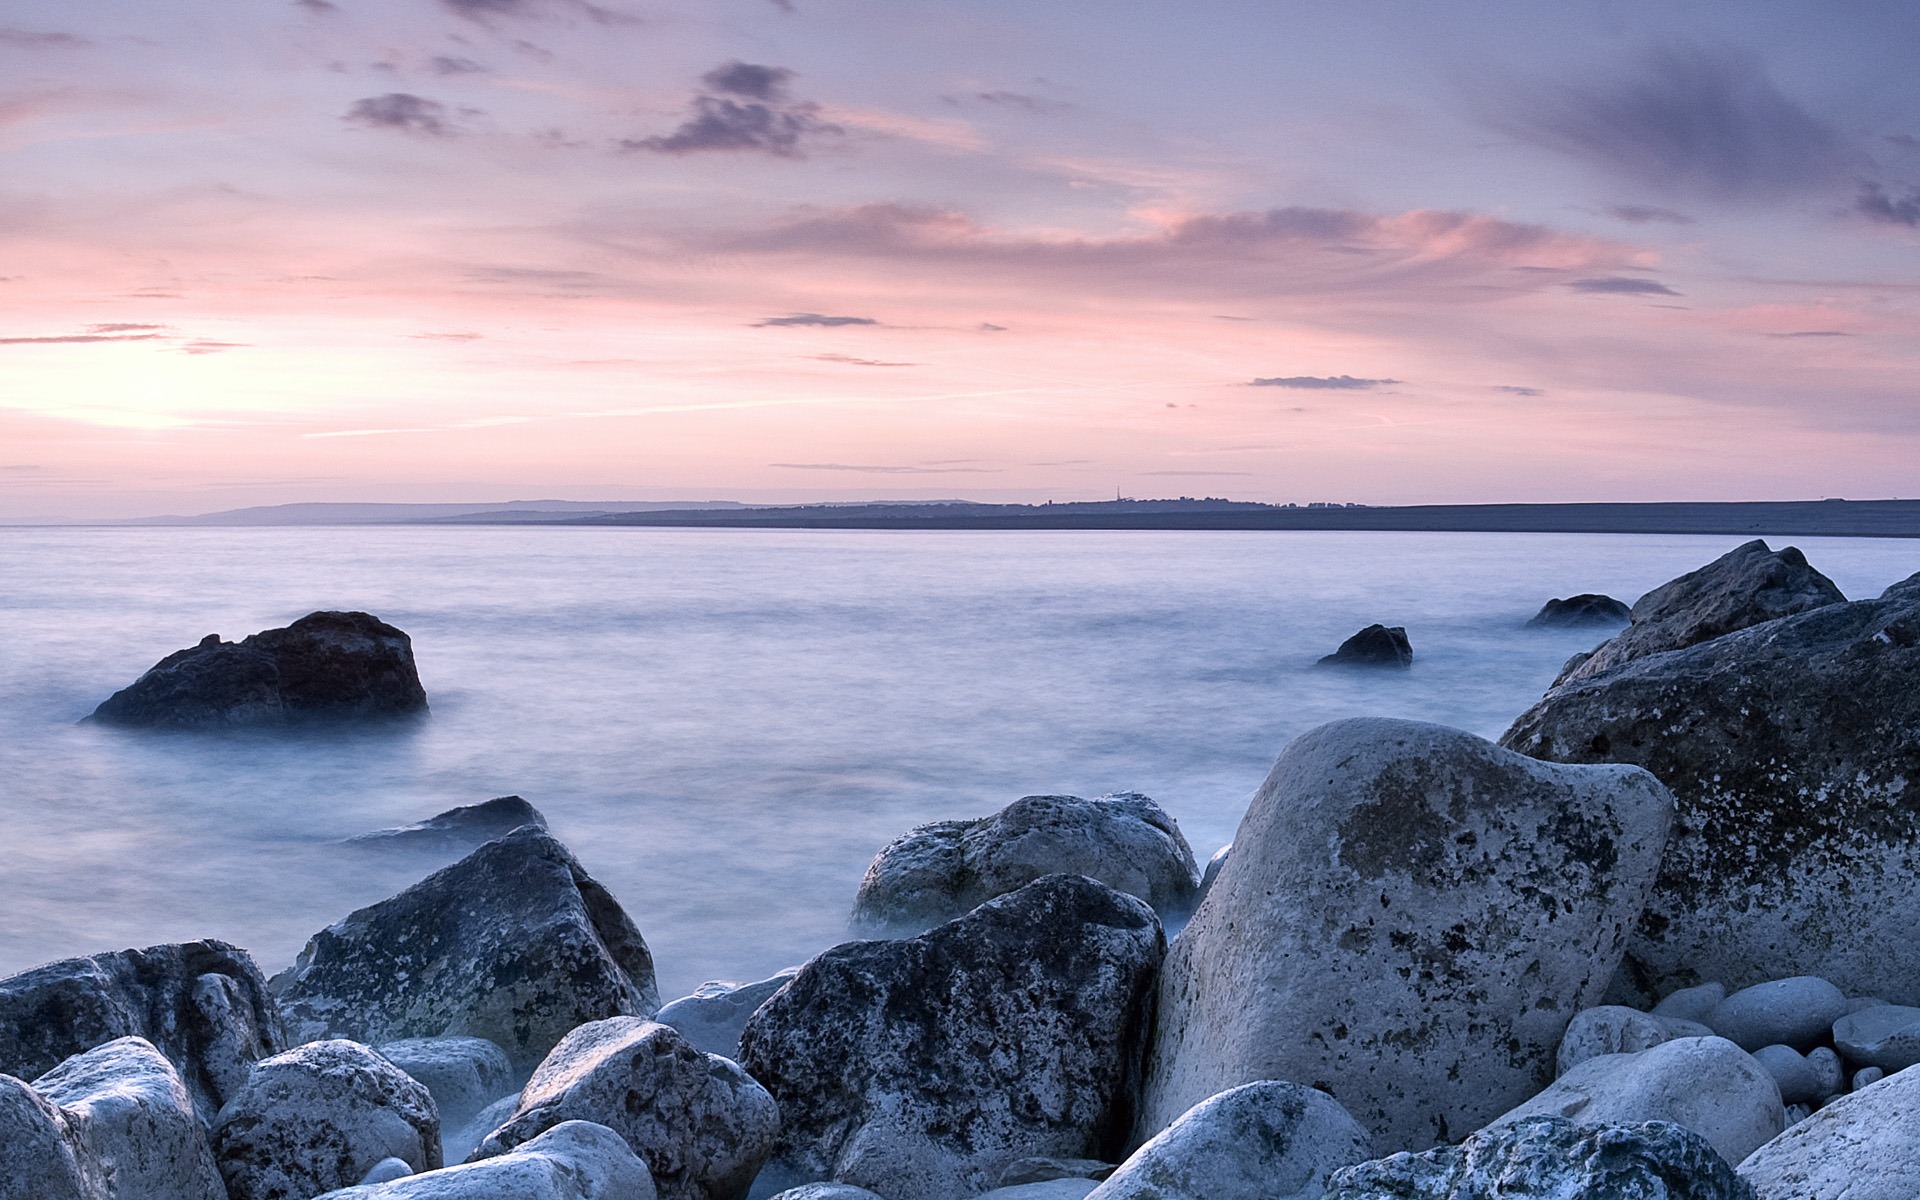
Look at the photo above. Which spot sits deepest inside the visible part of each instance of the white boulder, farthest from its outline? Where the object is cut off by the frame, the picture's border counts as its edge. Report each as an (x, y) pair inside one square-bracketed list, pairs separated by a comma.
[(575, 1160), (1260, 1141), (1617, 1029), (1863, 1146), (714, 1016)]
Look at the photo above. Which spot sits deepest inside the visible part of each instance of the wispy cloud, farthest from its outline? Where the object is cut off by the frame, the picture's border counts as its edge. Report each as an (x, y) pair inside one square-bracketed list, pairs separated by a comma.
[(1875, 203), (1648, 214), (31, 39), (447, 64), (1341, 383), (814, 319), (744, 107), (868, 469), (1018, 101), (1513, 390), (78, 339), (1620, 285), (126, 327), (209, 347), (404, 112), (850, 360), (1812, 333)]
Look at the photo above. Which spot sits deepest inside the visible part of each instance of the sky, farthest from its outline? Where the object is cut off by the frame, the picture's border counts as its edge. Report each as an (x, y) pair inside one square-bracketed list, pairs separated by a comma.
[(263, 251)]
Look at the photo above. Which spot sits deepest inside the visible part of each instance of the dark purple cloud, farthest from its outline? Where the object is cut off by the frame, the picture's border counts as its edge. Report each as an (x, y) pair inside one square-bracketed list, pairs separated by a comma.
[(1620, 285), (815, 319), (1647, 214), (1339, 383), (752, 80), (744, 108), (404, 112), (446, 64), (1876, 203)]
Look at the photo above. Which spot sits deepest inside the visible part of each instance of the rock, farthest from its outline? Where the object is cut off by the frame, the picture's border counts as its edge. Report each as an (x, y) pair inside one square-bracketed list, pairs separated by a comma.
[(326, 665), (460, 1144), (1857, 1003), (1744, 587), (1040, 1169), (1374, 646), (1410, 918), (1796, 1012), (1552, 1159), (457, 828), (1758, 882), (1214, 866), (1828, 1069), (1260, 1141), (1692, 1004), (320, 1117), (42, 1157), (386, 1171), (514, 943), (1863, 1146), (1887, 1037), (1588, 608), (1616, 1029), (827, 1191), (1866, 1077), (202, 1004), (714, 1015), (1708, 1085), (576, 1160), (940, 871), (1051, 1189), (922, 1068), (465, 1074), (1797, 1079), (698, 1121)]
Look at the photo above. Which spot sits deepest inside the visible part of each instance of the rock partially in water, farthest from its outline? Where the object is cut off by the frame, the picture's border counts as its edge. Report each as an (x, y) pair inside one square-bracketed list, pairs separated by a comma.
[(577, 1160), (717, 1012), (1374, 646), (514, 943), (1885, 1036), (319, 1117), (1863, 1146), (922, 1068), (458, 828), (464, 1074), (459, 1145), (698, 1121), (325, 666), (1576, 612), (1410, 918), (946, 869), (202, 1004)]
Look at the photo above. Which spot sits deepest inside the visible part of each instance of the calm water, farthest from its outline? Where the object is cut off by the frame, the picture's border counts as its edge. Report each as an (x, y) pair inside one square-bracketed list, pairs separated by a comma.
[(725, 725)]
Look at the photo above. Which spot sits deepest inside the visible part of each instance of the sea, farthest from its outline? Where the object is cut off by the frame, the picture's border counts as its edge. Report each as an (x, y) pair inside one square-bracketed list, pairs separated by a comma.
[(726, 725)]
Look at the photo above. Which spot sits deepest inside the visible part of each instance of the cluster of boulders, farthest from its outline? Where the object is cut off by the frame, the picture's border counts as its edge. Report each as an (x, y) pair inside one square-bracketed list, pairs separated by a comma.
[(1656, 945)]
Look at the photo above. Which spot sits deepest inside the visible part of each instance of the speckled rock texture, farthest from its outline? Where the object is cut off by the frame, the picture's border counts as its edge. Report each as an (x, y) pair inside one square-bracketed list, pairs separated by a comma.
[(827, 1191), (202, 1004), (1586, 609), (577, 1160), (1863, 1146), (1793, 748), (460, 828), (940, 871), (1410, 918), (319, 1117), (464, 1074), (714, 1016), (1617, 1029), (514, 943), (325, 666), (1550, 1159), (1707, 1084), (40, 1155), (1260, 1141), (921, 1068), (699, 1122)]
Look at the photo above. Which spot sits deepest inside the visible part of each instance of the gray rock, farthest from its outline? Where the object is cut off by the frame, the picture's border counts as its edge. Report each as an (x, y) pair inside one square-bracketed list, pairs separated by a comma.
[(1887, 1037), (1798, 1080), (1409, 920), (1040, 1169), (1553, 1160), (1757, 881), (940, 871), (1588, 608), (1856, 1003), (713, 1017), (1796, 1012), (1051, 1189), (1374, 646), (459, 828), (1213, 868), (1828, 1069), (130, 1123), (1692, 1003), (1863, 1146), (326, 665), (320, 1117), (514, 943), (576, 1160), (40, 1154), (827, 1191), (1616, 1029), (465, 1074), (462, 1142), (1744, 587), (698, 1121), (202, 1004), (922, 1068), (386, 1171), (1709, 1085), (1866, 1077), (1260, 1141)]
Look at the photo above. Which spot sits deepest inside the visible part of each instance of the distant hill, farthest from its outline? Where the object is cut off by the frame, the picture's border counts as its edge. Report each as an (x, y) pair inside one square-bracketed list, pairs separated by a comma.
[(499, 512)]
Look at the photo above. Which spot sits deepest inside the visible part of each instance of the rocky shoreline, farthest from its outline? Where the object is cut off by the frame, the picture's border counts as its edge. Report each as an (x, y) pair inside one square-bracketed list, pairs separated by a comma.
[(1655, 944)]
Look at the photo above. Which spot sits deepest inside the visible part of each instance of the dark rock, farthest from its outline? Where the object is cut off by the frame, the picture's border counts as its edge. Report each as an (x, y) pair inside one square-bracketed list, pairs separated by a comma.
[(202, 1004), (458, 828), (940, 871), (1588, 608), (1552, 1159), (514, 943), (923, 1068), (326, 665), (1374, 646), (1793, 748)]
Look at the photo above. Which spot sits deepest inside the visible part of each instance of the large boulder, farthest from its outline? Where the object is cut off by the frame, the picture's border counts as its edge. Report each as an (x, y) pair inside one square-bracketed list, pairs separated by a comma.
[(326, 665), (922, 1068), (577, 1160), (941, 871), (464, 1074), (1260, 1141), (698, 1121), (1793, 748), (713, 1017), (320, 1117), (202, 1004), (1552, 1159), (514, 943), (1410, 917), (1863, 1146), (460, 828)]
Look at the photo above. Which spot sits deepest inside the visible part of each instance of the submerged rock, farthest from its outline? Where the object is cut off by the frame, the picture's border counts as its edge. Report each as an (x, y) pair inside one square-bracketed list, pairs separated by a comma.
[(1863, 1146), (1410, 918), (1588, 608), (458, 828), (1374, 646), (327, 665), (922, 1068), (943, 870), (202, 1004), (577, 1160), (717, 1012), (514, 943), (464, 1074)]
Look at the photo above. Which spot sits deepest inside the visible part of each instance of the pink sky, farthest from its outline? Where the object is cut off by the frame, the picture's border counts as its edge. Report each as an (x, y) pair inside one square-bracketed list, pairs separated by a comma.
[(255, 252)]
